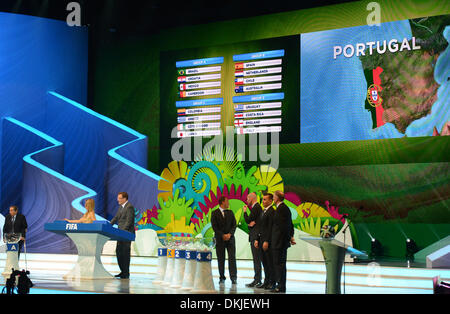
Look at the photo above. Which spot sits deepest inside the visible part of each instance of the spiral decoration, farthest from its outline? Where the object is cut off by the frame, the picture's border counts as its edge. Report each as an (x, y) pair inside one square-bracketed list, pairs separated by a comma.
[(203, 177)]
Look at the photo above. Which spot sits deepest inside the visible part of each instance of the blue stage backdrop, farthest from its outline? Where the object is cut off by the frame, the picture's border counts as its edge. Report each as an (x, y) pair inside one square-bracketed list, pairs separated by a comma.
[(55, 152)]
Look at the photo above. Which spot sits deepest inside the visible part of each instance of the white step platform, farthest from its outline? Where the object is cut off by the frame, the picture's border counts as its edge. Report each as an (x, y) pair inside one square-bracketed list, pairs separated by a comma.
[(47, 270)]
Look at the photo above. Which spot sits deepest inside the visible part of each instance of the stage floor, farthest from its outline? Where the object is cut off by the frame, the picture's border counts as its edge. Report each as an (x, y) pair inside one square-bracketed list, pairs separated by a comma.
[(46, 271)]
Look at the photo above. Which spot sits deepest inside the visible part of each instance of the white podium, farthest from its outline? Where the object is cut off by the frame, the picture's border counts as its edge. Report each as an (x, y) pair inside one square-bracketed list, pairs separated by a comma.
[(89, 264), (89, 239), (162, 265), (203, 282), (190, 269), (179, 268), (334, 253), (12, 253), (169, 267)]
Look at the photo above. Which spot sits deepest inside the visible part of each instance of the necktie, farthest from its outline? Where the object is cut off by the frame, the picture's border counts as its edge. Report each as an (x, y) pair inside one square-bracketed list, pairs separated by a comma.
[(13, 220)]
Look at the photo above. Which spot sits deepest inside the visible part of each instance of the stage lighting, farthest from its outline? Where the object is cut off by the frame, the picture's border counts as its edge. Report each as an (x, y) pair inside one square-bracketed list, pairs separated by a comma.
[(411, 249), (376, 249)]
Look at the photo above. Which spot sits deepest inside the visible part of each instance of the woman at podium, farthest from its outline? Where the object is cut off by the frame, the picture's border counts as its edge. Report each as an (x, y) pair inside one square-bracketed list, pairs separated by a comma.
[(89, 216)]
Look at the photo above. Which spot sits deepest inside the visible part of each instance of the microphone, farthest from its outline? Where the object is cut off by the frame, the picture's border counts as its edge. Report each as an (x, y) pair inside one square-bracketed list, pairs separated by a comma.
[(348, 225)]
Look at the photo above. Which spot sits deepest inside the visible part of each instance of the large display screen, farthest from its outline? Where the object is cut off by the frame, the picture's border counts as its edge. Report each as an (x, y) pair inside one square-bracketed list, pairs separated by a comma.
[(358, 83), (375, 82), (231, 90), (360, 113)]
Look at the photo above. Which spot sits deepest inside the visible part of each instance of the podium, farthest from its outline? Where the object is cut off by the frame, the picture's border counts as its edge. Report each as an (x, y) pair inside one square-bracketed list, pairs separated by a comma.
[(203, 282), (89, 239), (190, 269), (12, 253), (334, 254), (162, 265)]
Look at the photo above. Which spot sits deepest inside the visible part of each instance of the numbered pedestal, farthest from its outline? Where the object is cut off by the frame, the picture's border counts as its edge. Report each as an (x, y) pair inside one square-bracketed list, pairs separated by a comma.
[(162, 265), (334, 259), (203, 282), (189, 270), (12, 258), (169, 268), (179, 268)]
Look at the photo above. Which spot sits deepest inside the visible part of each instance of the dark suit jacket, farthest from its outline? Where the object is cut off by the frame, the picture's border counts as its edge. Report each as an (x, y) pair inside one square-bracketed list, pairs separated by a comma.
[(223, 225), (282, 227), (20, 224), (264, 225), (255, 212), (124, 218)]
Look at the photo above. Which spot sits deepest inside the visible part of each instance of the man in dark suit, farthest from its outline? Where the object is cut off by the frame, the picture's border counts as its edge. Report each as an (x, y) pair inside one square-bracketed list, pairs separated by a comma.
[(282, 238), (125, 221), (264, 225), (251, 219), (223, 223), (16, 223)]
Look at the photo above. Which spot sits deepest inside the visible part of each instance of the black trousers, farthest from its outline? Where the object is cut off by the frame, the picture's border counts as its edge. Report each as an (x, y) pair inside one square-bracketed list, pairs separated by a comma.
[(230, 246), (279, 264), (123, 251), (256, 261), (267, 261)]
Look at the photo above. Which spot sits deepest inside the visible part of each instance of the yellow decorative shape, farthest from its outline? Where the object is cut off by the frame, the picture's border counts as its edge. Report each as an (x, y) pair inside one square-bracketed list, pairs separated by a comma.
[(310, 227), (238, 215), (177, 226), (269, 177), (327, 222), (144, 219), (175, 170), (165, 185), (308, 209)]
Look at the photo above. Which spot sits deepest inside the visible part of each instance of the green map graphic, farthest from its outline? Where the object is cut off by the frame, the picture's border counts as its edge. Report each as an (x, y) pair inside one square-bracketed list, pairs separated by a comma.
[(407, 79)]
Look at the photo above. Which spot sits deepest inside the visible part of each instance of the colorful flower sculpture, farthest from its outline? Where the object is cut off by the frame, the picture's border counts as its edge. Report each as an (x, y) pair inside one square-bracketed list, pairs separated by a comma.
[(189, 194)]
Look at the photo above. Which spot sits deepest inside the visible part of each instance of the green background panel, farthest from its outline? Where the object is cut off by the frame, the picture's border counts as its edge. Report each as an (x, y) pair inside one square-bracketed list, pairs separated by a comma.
[(126, 87)]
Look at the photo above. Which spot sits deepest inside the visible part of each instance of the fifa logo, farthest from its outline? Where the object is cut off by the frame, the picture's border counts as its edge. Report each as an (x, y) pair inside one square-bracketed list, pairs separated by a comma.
[(71, 227)]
